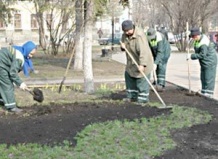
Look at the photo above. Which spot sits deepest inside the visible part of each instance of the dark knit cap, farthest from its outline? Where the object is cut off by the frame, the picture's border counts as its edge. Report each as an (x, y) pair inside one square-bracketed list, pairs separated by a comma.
[(127, 25), (195, 31)]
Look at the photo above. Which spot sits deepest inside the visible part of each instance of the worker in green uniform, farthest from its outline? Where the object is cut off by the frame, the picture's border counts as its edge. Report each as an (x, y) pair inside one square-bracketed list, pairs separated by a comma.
[(160, 48), (206, 54), (135, 41), (11, 63)]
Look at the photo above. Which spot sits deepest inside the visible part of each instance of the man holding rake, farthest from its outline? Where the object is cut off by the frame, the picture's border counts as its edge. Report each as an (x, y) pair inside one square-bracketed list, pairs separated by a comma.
[(135, 42)]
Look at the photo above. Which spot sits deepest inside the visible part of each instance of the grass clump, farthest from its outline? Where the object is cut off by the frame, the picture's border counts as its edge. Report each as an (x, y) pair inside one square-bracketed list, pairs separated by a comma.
[(36, 151)]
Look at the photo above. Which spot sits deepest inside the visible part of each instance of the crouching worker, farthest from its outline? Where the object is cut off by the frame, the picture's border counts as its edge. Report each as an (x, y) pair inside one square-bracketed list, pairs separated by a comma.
[(161, 50), (11, 63), (135, 42), (25, 49)]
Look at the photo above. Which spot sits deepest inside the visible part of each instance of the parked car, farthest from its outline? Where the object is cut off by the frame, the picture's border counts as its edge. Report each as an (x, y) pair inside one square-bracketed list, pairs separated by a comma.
[(103, 40), (107, 39), (171, 38)]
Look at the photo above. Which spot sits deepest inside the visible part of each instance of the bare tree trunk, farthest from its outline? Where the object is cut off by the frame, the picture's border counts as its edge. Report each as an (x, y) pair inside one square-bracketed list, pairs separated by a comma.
[(130, 9), (78, 61), (87, 63), (42, 41), (39, 18)]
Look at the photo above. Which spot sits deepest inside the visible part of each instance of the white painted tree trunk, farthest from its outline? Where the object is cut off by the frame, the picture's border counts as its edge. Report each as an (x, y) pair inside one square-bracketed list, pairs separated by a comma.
[(78, 59), (87, 62)]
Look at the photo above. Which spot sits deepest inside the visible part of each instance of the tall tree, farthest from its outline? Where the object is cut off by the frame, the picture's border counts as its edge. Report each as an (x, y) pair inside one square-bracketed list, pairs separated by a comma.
[(40, 8), (86, 12), (59, 19), (79, 10), (87, 64)]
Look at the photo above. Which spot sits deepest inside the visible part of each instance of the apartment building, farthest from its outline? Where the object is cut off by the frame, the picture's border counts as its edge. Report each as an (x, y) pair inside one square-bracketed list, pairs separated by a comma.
[(22, 27)]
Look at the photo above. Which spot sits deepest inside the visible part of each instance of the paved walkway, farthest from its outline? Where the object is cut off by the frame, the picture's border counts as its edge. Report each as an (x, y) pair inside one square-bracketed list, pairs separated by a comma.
[(177, 71)]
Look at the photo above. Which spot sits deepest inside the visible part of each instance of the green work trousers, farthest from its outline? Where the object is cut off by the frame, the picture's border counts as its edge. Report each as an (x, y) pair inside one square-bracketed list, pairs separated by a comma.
[(137, 88), (6, 90), (208, 76), (161, 73)]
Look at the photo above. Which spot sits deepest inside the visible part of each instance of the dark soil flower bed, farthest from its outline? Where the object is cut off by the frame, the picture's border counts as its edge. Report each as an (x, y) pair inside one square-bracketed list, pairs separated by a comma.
[(56, 123)]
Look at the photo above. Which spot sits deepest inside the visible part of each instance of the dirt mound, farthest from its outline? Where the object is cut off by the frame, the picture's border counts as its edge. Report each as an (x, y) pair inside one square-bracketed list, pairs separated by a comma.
[(54, 124)]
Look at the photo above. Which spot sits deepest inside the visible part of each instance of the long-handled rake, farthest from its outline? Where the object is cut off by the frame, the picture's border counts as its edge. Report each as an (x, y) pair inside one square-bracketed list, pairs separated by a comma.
[(132, 58)]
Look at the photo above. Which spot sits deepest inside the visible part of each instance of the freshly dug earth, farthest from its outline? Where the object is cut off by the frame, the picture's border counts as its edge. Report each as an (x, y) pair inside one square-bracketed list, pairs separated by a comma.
[(55, 123)]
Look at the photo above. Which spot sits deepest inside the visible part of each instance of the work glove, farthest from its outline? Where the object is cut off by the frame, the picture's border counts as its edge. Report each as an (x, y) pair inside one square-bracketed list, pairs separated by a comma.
[(188, 57), (23, 86), (155, 67)]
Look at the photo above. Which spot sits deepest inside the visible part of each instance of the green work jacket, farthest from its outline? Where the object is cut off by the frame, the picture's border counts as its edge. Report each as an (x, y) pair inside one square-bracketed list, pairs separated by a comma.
[(204, 52), (11, 62), (160, 48)]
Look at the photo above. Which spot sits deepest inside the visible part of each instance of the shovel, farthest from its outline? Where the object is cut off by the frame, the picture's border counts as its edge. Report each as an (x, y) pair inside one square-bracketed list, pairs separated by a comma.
[(134, 61), (37, 94)]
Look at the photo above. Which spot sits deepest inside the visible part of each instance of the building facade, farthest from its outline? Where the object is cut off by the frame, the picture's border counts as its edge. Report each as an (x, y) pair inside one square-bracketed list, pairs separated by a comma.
[(23, 25)]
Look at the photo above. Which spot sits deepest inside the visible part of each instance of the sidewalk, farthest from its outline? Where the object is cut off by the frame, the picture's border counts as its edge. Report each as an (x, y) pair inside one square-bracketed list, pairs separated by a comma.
[(177, 71)]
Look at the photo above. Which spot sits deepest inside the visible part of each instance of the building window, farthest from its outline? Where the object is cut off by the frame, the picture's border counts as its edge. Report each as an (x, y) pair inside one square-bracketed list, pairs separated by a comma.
[(34, 23), (17, 21)]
